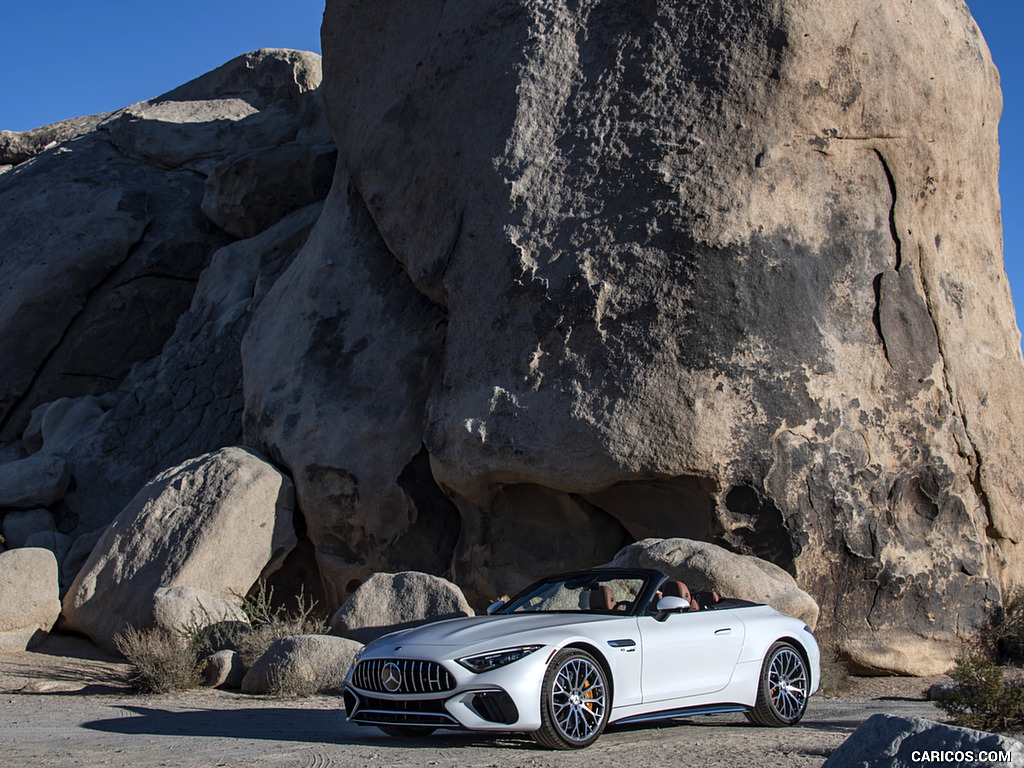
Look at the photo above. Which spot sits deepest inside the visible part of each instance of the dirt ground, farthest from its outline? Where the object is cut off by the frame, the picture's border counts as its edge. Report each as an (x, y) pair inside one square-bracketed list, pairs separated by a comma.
[(65, 704)]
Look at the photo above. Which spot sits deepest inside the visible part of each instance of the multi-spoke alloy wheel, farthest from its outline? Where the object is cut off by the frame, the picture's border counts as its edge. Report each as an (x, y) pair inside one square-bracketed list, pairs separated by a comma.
[(574, 701), (782, 693)]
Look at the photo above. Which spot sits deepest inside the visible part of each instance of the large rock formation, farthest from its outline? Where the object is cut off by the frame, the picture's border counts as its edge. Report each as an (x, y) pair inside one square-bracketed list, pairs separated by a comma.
[(187, 401), (125, 304), (588, 273), (726, 271)]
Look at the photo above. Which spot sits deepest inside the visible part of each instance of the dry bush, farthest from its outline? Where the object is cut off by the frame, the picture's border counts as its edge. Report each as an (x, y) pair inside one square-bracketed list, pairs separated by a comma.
[(162, 661), (1002, 637), (980, 698), (269, 622)]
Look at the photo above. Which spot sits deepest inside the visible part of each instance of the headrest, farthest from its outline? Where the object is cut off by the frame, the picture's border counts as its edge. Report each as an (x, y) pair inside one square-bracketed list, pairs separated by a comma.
[(675, 589), (602, 599), (678, 589)]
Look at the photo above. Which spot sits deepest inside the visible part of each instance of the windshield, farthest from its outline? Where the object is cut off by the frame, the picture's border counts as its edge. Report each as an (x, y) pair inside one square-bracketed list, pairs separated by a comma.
[(592, 592)]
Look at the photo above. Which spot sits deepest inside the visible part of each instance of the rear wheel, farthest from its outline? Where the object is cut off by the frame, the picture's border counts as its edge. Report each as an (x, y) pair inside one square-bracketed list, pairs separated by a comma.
[(783, 688), (407, 731), (574, 701)]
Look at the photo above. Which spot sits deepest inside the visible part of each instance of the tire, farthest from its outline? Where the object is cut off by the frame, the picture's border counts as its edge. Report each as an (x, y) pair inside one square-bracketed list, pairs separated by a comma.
[(782, 688), (407, 731), (575, 701)]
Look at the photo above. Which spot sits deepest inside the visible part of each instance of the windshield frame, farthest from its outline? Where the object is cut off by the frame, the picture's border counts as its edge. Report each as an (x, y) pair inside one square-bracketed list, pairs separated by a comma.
[(651, 579)]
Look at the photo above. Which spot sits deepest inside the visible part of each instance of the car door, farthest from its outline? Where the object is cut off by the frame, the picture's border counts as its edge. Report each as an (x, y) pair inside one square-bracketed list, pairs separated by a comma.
[(688, 654)]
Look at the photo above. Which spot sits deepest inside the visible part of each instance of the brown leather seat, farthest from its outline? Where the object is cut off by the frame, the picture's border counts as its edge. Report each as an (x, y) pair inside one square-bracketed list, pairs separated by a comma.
[(678, 589), (602, 599), (706, 598)]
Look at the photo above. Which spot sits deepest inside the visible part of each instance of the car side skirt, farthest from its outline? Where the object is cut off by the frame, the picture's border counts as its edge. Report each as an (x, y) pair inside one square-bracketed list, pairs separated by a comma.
[(669, 714)]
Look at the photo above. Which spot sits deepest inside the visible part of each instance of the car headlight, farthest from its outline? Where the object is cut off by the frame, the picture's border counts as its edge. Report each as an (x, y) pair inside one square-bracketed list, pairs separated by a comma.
[(485, 662)]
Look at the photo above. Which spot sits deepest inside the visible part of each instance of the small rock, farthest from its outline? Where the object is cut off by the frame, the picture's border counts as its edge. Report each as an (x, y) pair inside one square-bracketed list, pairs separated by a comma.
[(387, 602), (37, 481), (184, 609), (303, 665), (224, 669), (942, 691), (29, 603), (65, 420), (888, 741), (20, 526)]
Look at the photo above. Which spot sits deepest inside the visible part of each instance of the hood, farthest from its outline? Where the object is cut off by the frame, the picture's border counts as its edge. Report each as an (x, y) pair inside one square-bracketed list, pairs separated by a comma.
[(492, 631)]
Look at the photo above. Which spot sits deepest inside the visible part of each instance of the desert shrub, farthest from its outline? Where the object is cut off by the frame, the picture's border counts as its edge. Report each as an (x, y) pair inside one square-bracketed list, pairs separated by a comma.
[(269, 622), (206, 634), (980, 698), (1009, 628), (835, 677), (1002, 637), (162, 661)]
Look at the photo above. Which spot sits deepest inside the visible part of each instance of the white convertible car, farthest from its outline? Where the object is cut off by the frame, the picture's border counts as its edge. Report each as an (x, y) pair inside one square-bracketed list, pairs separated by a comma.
[(577, 651)]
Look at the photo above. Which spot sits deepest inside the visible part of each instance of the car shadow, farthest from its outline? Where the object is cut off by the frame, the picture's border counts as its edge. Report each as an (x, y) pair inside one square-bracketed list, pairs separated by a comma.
[(301, 725), (263, 723)]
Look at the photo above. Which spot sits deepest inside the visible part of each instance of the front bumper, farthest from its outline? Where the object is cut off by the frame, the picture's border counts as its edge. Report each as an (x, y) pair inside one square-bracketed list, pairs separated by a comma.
[(503, 699)]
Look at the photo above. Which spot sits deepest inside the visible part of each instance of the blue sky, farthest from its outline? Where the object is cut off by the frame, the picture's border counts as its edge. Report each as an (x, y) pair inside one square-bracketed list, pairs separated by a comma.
[(69, 58), (1001, 22)]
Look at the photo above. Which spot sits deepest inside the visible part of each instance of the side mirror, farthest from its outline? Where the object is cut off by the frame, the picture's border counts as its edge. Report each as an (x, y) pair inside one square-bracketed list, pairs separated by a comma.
[(495, 607), (670, 605)]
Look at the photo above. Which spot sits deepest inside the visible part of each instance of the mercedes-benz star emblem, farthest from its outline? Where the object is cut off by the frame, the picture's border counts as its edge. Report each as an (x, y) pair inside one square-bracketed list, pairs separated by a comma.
[(391, 677)]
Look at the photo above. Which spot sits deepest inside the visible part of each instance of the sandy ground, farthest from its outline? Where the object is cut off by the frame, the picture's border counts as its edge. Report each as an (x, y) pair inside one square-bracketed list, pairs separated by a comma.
[(66, 705)]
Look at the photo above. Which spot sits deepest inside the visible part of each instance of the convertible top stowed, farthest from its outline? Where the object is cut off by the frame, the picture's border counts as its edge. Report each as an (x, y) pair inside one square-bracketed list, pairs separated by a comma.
[(576, 651)]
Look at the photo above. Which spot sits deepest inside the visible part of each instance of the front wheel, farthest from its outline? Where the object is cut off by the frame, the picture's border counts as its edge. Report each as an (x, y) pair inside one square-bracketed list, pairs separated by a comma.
[(574, 701), (783, 688)]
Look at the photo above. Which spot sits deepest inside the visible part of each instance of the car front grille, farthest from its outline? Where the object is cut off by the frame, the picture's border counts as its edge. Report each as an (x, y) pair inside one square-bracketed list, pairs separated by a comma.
[(402, 676)]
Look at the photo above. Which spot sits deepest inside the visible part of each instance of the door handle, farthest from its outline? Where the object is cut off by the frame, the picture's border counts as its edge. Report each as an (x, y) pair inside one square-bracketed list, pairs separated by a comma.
[(723, 631)]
